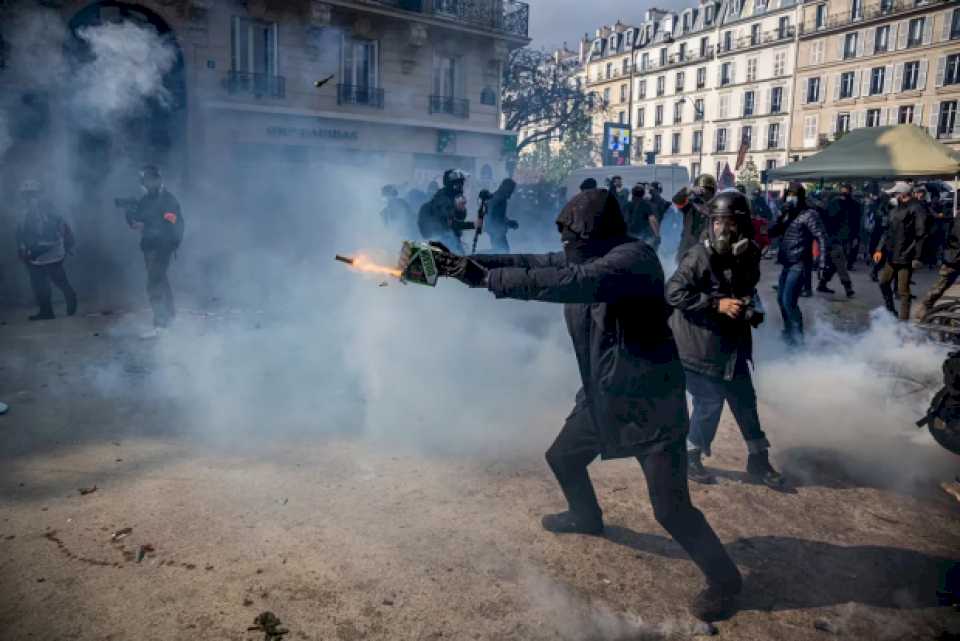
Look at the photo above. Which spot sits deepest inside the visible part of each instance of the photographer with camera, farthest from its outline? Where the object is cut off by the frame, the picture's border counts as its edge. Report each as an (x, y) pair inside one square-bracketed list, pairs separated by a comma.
[(713, 293)]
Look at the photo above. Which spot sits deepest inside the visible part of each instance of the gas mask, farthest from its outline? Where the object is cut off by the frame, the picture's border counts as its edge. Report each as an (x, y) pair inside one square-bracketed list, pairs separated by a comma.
[(724, 236), (791, 201), (575, 248)]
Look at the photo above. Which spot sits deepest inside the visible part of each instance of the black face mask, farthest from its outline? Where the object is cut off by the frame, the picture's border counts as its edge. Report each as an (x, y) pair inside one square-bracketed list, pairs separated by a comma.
[(577, 250)]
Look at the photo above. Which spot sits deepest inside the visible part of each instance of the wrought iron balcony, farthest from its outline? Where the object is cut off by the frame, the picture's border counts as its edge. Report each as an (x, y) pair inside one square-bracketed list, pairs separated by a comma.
[(447, 105), (509, 16), (257, 84), (878, 9), (360, 95)]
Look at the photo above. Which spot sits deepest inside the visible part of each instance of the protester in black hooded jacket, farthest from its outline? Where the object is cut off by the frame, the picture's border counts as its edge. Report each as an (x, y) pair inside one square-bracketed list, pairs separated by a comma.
[(632, 402), (716, 306), (497, 222)]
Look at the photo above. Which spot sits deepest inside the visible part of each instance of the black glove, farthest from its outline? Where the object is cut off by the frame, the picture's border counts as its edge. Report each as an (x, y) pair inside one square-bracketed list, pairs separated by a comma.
[(462, 268)]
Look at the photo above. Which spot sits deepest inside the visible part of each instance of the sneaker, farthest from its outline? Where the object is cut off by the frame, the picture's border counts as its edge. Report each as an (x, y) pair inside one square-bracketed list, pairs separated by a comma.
[(570, 523), (715, 602), (696, 471), (758, 467), (41, 316)]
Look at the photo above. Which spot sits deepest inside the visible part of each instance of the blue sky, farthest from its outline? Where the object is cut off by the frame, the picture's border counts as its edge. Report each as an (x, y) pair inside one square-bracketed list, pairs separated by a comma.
[(553, 21)]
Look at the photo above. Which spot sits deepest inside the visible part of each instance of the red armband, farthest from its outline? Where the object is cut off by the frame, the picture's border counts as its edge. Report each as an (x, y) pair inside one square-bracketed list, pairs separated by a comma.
[(170, 217)]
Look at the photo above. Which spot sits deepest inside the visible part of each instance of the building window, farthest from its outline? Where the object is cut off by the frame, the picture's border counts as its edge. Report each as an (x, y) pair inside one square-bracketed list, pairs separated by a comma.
[(677, 112), (752, 70), (947, 120), (915, 33), (663, 56), (721, 140), (856, 9), (816, 52), (850, 45), (783, 28), (625, 67), (708, 15), (254, 46), (623, 93), (955, 25), (606, 95), (727, 40), (657, 144), (809, 129), (847, 82), (645, 61), (675, 144), (640, 116), (622, 117), (843, 122), (877, 78), (873, 118), (746, 137), (448, 86), (771, 164), (685, 22), (723, 107), (773, 135), (886, 6), (658, 115), (609, 70), (694, 169), (682, 51), (881, 41), (905, 115), (726, 73), (821, 16), (701, 77), (359, 73), (661, 85), (643, 89), (813, 89), (704, 45), (749, 102), (951, 70), (779, 64), (755, 34), (679, 82), (698, 141), (776, 100), (911, 76)]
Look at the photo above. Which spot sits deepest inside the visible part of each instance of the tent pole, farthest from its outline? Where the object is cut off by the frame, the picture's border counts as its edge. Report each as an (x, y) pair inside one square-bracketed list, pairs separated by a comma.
[(955, 179)]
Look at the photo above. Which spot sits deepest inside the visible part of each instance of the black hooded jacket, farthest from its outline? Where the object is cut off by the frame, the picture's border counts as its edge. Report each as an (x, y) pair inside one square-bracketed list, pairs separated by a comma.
[(633, 382), (906, 232), (711, 343)]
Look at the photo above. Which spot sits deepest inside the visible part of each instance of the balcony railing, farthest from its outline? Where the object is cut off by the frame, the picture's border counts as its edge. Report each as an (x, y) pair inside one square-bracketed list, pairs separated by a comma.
[(360, 95), (257, 84), (509, 16), (447, 105), (746, 42), (869, 12)]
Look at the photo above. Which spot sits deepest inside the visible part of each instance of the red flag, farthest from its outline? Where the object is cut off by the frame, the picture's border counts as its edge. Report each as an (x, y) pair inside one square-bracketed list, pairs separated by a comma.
[(742, 155)]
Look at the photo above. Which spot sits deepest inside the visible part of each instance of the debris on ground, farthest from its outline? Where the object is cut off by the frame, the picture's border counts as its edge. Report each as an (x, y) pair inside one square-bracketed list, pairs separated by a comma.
[(144, 550), (122, 532), (388, 601), (269, 624), (87, 490)]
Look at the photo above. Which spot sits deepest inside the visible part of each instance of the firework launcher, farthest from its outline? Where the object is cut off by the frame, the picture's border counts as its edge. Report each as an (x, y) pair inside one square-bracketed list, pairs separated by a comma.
[(417, 264)]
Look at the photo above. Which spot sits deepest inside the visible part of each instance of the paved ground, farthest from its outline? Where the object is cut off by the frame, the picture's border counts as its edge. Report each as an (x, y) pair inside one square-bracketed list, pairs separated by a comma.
[(343, 539)]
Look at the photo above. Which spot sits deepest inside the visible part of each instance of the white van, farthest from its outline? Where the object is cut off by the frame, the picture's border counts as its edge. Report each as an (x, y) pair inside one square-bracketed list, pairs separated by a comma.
[(672, 177)]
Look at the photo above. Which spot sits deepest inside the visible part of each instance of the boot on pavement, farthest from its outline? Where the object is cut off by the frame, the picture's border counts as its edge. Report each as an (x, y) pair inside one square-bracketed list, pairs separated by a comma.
[(571, 523), (716, 601), (822, 288), (848, 288), (758, 466), (696, 471)]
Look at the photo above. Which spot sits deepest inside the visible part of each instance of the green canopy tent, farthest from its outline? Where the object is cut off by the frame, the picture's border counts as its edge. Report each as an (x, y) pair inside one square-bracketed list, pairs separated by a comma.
[(878, 153)]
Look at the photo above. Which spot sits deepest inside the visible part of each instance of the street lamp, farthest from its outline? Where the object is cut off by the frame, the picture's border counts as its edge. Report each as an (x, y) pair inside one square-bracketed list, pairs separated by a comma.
[(698, 113)]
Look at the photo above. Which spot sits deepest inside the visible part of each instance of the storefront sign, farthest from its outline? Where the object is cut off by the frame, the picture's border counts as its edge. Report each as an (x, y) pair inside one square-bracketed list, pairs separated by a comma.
[(313, 132)]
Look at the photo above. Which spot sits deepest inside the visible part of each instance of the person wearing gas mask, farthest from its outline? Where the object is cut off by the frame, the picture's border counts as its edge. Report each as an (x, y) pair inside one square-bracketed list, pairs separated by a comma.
[(396, 213), (797, 226), (692, 203), (632, 401), (443, 218), (900, 248), (158, 218), (43, 241), (839, 215), (713, 293), (497, 223), (641, 219)]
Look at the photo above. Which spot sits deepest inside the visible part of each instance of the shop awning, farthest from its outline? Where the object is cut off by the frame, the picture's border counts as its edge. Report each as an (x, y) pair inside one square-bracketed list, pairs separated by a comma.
[(898, 151)]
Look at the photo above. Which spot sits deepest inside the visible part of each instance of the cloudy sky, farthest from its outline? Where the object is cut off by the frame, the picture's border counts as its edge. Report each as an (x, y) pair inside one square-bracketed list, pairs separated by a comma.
[(553, 21)]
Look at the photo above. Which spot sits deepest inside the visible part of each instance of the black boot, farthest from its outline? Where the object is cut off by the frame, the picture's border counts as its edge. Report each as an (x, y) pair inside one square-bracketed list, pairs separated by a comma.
[(570, 523), (888, 303), (696, 471), (822, 287), (716, 601), (43, 314), (758, 466), (848, 288)]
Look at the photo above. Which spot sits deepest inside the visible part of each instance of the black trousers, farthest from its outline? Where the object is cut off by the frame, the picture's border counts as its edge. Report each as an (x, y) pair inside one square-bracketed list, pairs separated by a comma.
[(40, 278), (578, 445), (157, 262)]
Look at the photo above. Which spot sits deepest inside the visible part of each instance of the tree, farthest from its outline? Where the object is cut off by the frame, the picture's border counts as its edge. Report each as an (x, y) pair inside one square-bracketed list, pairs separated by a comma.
[(542, 98), (579, 149), (749, 177)]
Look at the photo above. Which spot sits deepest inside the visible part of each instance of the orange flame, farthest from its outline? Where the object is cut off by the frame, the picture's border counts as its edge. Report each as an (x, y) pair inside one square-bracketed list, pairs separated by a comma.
[(364, 264)]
